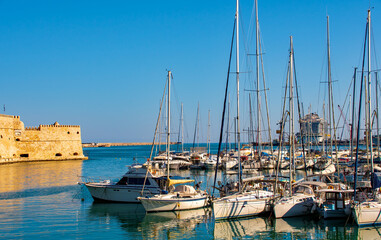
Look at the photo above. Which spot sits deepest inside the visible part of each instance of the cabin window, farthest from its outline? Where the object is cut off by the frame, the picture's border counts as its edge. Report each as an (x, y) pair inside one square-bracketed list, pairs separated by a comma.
[(77, 132), (122, 181), (24, 155), (58, 154), (137, 181), (17, 139), (75, 154), (68, 132)]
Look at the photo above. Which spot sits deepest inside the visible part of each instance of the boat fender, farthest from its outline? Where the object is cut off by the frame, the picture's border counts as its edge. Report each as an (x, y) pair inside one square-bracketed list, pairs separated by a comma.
[(313, 208)]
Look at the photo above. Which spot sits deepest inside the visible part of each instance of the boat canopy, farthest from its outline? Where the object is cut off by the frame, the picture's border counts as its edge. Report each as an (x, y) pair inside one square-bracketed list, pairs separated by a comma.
[(178, 181)]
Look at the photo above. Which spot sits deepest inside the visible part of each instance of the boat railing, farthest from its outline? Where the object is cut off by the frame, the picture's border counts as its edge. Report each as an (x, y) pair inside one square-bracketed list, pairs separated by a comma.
[(86, 179)]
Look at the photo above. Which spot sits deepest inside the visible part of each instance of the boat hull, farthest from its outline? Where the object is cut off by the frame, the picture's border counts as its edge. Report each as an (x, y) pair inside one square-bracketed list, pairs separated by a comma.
[(294, 207), (236, 209), (173, 204), (115, 193), (367, 213), (337, 213)]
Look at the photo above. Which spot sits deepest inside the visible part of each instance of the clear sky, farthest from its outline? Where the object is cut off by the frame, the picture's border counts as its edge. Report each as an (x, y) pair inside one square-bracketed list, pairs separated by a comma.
[(102, 64)]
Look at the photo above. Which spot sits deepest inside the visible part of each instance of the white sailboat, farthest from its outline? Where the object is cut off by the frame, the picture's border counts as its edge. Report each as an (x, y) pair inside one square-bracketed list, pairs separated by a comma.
[(182, 197), (301, 198), (367, 212), (241, 204)]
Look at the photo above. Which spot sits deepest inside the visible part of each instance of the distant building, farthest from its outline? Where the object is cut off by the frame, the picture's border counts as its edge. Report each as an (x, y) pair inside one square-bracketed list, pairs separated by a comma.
[(313, 129), (45, 142)]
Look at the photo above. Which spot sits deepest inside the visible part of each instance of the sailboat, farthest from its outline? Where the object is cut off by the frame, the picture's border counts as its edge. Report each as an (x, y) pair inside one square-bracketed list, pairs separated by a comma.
[(366, 211), (301, 197), (180, 197), (252, 201)]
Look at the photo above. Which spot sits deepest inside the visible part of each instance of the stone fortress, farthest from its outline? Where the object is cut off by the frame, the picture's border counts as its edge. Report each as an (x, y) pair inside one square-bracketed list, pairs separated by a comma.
[(45, 142)]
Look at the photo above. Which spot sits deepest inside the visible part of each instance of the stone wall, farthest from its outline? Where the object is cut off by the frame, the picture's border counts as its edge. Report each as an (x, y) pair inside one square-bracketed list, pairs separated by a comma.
[(45, 142)]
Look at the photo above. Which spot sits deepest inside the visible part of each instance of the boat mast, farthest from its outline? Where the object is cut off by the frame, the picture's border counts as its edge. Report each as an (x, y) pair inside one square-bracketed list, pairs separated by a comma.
[(331, 109), (369, 95), (208, 140), (227, 127), (353, 112), (291, 123), (257, 68), (237, 75), (168, 122), (251, 130), (182, 128), (378, 133), (329, 91), (359, 112), (196, 128)]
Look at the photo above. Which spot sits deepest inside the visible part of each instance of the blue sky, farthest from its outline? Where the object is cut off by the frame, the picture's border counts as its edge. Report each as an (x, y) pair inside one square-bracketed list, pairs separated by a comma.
[(102, 64)]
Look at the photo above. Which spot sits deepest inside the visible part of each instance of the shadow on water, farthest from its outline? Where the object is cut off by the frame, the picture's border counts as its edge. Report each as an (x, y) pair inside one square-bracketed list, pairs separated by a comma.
[(36, 192)]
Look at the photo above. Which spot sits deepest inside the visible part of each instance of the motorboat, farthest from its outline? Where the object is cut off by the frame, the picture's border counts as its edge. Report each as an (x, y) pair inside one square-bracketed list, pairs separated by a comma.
[(334, 201), (137, 181)]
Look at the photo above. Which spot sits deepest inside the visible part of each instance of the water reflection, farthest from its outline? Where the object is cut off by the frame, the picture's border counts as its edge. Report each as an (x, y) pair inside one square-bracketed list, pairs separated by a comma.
[(133, 219), (229, 229), (369, 233), (38, 178)]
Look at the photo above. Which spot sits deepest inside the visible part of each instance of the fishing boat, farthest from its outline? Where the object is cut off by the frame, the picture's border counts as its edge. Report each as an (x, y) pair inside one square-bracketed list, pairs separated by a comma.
[(181, 197), (334, 201)]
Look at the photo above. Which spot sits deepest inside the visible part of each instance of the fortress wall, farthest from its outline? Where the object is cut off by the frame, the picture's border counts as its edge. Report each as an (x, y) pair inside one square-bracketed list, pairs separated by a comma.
[(46, 142)]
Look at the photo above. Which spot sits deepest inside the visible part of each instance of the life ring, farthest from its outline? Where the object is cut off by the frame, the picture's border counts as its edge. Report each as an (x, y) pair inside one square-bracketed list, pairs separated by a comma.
[(330, 187)]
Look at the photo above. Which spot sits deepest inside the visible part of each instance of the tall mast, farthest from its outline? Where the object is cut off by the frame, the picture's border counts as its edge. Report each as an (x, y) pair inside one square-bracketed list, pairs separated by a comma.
[(196, 127), (257, 68), (331, 109), (329, 90), (182, 128), (168, 121), (291, 106), (237, 74), (369, 95), (378, 133), (227, 128), (208, 140), (251, 130), (353, 112)]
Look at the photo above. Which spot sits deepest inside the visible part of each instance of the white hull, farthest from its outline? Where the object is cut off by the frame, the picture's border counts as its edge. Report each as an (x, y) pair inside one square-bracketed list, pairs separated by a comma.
[(170, 202), (118, 193), (297, 205), (241, 205), (367, 213)]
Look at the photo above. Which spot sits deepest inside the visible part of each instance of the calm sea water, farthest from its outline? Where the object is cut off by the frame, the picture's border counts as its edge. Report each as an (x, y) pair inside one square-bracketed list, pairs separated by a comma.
[(42, 200)]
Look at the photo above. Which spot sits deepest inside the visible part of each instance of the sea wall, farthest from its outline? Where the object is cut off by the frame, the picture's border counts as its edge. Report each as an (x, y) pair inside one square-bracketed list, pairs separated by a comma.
[(45, 142)]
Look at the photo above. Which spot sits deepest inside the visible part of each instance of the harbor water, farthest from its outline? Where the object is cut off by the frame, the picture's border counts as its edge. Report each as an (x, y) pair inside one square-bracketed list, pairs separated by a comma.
[(43, 200)]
